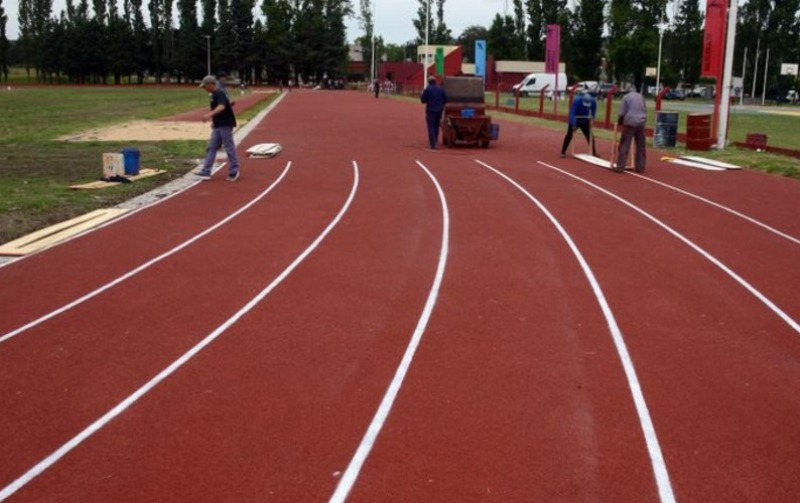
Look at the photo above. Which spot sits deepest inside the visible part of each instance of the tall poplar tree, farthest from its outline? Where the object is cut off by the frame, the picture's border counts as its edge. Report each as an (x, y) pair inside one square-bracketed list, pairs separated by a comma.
[(4, 44)]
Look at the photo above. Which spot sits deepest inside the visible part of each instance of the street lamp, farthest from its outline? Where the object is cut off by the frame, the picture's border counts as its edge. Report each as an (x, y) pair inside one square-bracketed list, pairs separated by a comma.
[(658, 68), (208, 54), (372, 62), (427, 29)]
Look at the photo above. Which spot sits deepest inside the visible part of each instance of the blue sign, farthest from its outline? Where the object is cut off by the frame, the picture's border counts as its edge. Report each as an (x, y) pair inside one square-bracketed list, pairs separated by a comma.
[(480, 58)]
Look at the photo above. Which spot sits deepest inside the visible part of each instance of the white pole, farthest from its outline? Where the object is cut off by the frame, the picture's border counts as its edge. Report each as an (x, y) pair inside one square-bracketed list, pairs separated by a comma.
[(658, 69), (764, 91), (727, 76), (744, 70), (427, 29), (372, 59), (755, 68)]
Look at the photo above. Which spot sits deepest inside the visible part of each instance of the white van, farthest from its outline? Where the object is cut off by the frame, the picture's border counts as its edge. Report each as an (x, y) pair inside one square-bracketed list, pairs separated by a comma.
[(533, 83)]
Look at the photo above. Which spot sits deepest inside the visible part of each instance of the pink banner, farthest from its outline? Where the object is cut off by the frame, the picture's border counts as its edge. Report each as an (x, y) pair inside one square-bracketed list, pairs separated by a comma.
[(552, 48), (714, 38)]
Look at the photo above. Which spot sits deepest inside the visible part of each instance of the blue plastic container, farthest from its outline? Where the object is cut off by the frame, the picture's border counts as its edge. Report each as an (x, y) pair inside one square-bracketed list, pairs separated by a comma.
[(467, 112), (131, 160), (495, 131)]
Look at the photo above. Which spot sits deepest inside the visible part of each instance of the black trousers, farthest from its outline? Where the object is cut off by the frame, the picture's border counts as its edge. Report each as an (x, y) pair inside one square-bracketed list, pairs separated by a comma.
[(585, 126), (434, 121)]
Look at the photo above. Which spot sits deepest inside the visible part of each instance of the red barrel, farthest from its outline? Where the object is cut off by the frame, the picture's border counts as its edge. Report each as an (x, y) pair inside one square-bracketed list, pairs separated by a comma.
[(698, 132)]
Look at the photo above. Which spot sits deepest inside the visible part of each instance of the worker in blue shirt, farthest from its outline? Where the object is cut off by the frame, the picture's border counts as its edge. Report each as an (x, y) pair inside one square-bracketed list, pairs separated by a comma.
[(435, 99), (581, 114)]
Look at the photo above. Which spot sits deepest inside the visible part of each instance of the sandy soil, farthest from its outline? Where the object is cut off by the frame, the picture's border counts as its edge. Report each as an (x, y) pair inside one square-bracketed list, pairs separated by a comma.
[(145, 131)]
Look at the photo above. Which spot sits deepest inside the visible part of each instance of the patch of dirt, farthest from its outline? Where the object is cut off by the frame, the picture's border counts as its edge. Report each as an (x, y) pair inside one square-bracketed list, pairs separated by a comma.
[(145, 131)]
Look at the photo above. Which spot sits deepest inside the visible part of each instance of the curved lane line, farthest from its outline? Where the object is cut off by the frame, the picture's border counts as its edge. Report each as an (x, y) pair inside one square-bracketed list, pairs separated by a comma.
[(374, 429), (720, 206), (654, 449), (147, 264), (760, 296), (62, 451), (238, 138)]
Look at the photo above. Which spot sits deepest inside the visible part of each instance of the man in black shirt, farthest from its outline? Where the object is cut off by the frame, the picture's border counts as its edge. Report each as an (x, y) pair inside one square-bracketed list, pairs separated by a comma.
[(223, 123)]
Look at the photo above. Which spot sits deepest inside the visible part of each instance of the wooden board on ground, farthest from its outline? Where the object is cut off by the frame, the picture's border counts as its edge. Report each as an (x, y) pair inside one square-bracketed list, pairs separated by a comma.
[(711, 162), (58, 232), (100, 184), (264, 150), (692, 164), (597, 161)]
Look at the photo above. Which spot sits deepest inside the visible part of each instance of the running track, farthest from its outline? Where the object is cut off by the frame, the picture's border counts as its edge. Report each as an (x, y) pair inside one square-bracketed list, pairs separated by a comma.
[(362, 319)]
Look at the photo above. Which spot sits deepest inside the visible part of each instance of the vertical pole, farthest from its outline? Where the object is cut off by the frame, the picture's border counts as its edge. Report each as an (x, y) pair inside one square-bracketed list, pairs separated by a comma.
[(427, 29), (764, 90), (744, 70), (727, 75), (658, 68), (755, 68)]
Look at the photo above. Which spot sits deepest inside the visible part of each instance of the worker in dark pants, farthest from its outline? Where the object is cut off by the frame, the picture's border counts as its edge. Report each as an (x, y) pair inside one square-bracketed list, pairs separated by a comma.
[(435, 99), (632, 116), (581, 114)]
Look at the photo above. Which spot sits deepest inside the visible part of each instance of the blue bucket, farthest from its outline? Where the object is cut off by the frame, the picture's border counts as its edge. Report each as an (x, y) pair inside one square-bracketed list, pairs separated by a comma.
[(131, 160), (468, 112), (495, 131)]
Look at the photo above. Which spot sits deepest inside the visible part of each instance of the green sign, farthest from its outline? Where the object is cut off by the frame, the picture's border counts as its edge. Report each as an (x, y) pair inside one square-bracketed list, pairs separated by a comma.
[(440, 61)]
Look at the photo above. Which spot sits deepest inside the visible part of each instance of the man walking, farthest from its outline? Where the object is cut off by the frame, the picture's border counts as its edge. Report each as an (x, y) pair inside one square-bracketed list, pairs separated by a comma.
[(581, 114), (223, 122), (632, 116), (435, 99)]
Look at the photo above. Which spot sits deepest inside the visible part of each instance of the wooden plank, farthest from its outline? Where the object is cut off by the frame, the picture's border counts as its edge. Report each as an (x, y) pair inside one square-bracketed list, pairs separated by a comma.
[(58, 232), (712, 162), (692, 164), (597, 161), (100, 184)]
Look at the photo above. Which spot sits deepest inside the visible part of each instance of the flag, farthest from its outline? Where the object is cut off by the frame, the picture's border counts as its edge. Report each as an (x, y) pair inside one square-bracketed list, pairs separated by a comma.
[(714, 38), (480, 58), (552, 48)]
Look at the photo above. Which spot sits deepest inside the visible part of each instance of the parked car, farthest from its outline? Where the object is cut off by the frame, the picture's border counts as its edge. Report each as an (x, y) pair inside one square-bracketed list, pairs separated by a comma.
[(588, 85), (702, 92), (605, 88), (674, 94)]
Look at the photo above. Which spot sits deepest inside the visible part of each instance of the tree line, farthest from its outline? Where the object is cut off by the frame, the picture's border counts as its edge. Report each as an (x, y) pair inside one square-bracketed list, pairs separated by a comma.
[(100, 42), (614, 40)]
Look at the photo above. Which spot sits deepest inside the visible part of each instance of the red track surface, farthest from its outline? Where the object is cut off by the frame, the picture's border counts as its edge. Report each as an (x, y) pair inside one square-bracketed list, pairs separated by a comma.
[(516, 391)]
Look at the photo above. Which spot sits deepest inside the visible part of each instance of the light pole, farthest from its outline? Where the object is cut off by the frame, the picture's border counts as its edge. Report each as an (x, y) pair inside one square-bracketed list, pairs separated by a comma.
[(658, 68), (372, 71), (208, 54), (427, 29)]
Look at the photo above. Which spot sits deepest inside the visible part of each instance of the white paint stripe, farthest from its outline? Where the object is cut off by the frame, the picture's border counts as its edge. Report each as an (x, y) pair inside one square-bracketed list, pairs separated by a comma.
[(147, 264), (50, 460), (354, 468), (785, 317), (654, 449), (724, 208), (239, 136)]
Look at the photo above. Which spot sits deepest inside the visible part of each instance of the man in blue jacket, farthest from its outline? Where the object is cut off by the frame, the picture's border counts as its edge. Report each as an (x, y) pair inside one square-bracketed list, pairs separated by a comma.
[(581, 114), (435, 99)]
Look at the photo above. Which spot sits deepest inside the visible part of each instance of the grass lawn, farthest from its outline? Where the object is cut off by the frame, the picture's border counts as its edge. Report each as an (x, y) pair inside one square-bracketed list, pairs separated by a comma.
[(36, 169), (781, 129)]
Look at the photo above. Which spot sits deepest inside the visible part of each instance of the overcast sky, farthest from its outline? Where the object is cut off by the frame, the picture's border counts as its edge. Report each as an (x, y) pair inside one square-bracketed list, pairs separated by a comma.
[(393, 18)]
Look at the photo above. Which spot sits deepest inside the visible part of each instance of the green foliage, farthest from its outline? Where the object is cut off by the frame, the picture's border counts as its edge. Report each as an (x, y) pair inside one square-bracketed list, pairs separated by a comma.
[(503, 41)]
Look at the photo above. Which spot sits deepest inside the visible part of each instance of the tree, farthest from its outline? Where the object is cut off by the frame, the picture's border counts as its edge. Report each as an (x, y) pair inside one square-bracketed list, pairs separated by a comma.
[(502, 40), (366, 23), (4, 44), (633, 43), (441, 33), (190, 53), (424, 14), (688, 44), (536, 30), (467, 40), (583, 51)]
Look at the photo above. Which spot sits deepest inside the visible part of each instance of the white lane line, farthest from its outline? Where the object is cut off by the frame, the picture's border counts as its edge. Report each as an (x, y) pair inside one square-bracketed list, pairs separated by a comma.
[(147, 264), (767, 302), (354, 468), (62, 451), (181, 185), (649, 430), (720, 206)]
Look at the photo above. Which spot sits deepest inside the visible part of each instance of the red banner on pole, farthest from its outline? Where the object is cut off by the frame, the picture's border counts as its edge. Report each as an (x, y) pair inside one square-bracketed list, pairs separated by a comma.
[(714, 38), (552, 48)]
